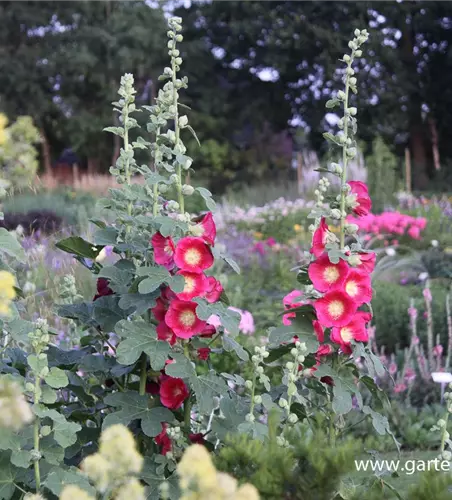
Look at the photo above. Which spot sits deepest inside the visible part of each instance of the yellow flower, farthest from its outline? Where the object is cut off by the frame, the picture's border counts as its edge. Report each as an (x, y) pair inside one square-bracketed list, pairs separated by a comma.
[(297, 228), (99, 470), (3, 120), (34, 496), (227, 484), (247, 492), (132, 490), (7, 292), (196, 470), (258, 235), (72, 492), (118, 447), (3, 136)]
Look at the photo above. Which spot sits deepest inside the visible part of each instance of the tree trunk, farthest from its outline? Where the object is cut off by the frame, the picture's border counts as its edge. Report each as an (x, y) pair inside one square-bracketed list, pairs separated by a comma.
[(416, 128), (45, 148), (434, 136)]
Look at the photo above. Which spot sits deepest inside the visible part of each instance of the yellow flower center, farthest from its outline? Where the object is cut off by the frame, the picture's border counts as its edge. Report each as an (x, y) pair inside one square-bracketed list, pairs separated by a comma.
[(346, 335), (187, 318), (335, 309), (352, 288), (168, 250), (331, 274), (192, 257), (189, 284)]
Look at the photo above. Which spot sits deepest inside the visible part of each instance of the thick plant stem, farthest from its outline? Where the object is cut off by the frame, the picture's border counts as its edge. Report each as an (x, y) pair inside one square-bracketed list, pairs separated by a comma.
[(155, 204), (36, 429), (143, 373), (187, 404), (444, 433)]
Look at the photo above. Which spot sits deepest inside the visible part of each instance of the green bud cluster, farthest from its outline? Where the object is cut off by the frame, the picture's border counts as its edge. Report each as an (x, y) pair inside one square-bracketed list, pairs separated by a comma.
[(40, 338)]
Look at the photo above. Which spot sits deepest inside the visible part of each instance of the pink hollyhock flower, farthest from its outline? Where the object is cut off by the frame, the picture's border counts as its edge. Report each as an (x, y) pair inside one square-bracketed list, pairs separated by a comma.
[(355, 330), (438, 350), (319, 238), (103, 288), (164, 332), (160, 309), (324, 274), (318, 329), (290, 302), (163, 250), (358, 286), (214, 321), (335, 308), (412, 311), (203, 353), (427, 294), (363, 201), (163, 440), (181, 318), (400, 388), (363, 261), (414, 232), (214, 290), (410, 375), (246, 325), (259, 248), (392, 369), (173, 392), (196, 285), (207, 229), (193, 255)]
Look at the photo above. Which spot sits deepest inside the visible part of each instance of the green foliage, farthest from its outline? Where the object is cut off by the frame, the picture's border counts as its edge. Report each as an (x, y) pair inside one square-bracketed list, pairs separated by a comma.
[(390, 304), (18, 154), (382, 177)]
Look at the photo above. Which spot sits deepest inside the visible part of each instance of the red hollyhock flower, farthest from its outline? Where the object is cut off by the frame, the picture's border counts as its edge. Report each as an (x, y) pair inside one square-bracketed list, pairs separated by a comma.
[(163, 250), (209, 331), (358, 286), (181, 318), (318, 329), (324, 350), (319, 238), (163, 440), (324, 274), (335, 308), (203, 353), (160, 309), (207, 229), (152, 388), (326, 379), (193, 255), (214, 290), (173, 392), (102, 288), (197, 438), (363, 201), (355, 330), (164, 332), (196, 285)]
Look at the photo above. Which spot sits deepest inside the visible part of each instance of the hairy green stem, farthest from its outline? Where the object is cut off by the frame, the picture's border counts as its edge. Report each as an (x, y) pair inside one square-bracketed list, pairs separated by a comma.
[(36, 429), (180, 196), (155, 205), (344, 155), (443, 436), (253, 390), (143, 373)]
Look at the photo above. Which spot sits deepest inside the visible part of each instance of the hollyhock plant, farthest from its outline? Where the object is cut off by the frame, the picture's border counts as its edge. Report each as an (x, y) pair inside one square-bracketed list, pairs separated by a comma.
[(164, 332), (355, 330), (173, 392), (163, 440), (324, 274), (193, 255), (182, 319), (362, 203), (163, 250), (195, 285)]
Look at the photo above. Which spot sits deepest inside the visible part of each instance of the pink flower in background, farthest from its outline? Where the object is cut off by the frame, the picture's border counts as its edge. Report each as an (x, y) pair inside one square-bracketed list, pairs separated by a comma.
[(290, 302), (392, 369), (400, 388), (438, 350), (427, 294), (271, 242), (246, 325), (412, 311), (259, 248), (415, 340), (410, 375), (414, 232), (319, 238)]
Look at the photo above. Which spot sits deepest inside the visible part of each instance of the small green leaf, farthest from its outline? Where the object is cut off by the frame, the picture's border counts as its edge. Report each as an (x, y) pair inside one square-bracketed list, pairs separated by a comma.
[(79, 247), (206, 387), (155, 277), (56, 378), (10, 245), (181, 367), (332, 103), (230, 344), (207, 196)]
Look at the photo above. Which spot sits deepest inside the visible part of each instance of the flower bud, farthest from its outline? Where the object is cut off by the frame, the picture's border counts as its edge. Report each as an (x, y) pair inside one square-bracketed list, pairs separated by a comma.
[(335, 213), (258, 400), (163, 188), (346, 58), (358, 53), (341, 93), (283, 403), (352, 111), (248, 384), (187, 190), (250, 417), (292, 418)]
